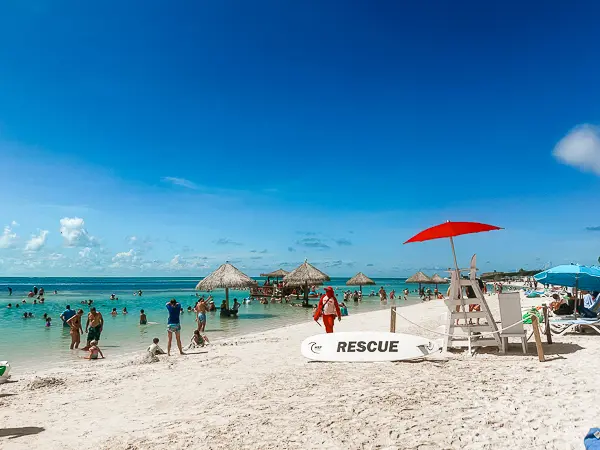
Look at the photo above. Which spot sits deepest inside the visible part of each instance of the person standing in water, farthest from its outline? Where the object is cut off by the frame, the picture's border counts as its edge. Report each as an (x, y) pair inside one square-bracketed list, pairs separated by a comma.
[(66, 315), (174, 325), (93, 327), (9, 291), (328, 308), (201, 311), (76, 329)]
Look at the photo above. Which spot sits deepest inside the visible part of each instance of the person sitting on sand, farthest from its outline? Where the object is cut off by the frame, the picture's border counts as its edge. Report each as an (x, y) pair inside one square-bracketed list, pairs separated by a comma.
[(114, 312), (76, 328), (154, 349), (94, 351), (196, 340), (143, 318)]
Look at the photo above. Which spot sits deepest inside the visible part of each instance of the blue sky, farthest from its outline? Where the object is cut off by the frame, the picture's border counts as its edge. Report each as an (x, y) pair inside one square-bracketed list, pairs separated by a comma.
[(157, 138)]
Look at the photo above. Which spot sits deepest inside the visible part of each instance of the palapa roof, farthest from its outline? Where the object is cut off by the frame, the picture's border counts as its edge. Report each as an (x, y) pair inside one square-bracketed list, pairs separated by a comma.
[(226, 276), (419, 277), (360, 279), (279, 273), (305, 274), (437, 279)]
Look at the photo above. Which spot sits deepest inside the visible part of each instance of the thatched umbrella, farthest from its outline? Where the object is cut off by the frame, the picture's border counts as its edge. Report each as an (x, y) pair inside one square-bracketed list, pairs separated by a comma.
[(420, 278), (280, 273), (304, 275), (438, 280), (360, 279), (226, 277)]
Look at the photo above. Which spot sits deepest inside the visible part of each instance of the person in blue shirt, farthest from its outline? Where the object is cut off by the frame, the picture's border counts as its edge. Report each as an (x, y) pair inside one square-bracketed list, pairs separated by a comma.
[(66, 315), (174, 325)]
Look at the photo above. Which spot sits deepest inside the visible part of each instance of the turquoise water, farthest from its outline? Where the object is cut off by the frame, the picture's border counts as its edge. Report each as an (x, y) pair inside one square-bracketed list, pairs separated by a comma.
[(27, 343)]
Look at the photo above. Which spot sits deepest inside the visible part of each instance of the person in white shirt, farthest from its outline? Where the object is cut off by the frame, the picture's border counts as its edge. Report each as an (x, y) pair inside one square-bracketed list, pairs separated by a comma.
[(589, 307)]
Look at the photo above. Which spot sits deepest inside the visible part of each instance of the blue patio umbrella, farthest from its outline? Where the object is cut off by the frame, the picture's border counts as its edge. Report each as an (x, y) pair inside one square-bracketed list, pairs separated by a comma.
[(571, 275)]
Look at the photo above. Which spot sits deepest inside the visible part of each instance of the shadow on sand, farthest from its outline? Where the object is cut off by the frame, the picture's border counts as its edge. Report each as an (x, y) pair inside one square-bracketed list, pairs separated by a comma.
[(550, 350), (13, 433)]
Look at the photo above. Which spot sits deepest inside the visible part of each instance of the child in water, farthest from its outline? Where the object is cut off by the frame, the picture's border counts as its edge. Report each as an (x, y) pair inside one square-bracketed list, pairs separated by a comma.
[(114, 312), (48, 320), (94, 351), (143, 319)]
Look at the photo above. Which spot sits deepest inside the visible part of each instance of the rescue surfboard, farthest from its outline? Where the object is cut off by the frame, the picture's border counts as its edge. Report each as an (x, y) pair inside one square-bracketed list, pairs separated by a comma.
[(367, 346)]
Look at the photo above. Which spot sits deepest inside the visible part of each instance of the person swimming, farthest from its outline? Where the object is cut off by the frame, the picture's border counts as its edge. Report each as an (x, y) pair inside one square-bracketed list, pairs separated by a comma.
[(125, 311), (114, 312)]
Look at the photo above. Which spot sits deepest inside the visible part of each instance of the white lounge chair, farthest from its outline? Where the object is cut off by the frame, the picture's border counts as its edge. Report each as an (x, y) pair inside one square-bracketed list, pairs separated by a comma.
[(510, 313), (571, 322)]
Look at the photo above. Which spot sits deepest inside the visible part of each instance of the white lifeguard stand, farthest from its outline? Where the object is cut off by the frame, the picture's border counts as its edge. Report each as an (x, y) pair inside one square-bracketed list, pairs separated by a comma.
[(469, 334)]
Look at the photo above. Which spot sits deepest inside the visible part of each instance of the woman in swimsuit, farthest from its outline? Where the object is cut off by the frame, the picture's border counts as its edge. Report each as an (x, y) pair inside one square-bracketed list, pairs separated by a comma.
[(76, 329)]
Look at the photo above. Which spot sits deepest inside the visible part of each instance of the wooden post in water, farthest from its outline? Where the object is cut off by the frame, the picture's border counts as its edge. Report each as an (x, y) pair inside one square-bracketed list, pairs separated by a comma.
[(547, 324), (393, 319), (538, 339)]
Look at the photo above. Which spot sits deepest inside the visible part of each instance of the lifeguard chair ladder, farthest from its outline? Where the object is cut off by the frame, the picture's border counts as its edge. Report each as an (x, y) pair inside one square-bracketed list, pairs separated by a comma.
[(472, 337)]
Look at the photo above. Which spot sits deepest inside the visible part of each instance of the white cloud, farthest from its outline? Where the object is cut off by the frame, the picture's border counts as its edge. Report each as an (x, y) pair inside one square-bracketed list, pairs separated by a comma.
[(133, 239), (580, 148), (85, 252), (180, 182), (9, 238), (74, 233), (129, 258), (14, 223), (181, 263), (36, 243)]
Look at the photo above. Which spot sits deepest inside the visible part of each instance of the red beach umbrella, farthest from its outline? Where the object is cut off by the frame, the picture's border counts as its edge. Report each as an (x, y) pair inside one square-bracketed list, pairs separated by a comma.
[(450, 230)]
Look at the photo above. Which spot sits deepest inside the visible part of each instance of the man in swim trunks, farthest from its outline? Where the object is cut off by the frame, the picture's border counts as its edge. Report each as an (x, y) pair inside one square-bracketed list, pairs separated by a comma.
[(93, 326), (174, 325), (76, 330), (201, 311)]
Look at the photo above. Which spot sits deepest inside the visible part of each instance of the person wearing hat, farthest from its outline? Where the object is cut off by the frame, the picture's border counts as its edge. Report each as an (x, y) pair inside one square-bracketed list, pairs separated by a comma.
[(328, 308)]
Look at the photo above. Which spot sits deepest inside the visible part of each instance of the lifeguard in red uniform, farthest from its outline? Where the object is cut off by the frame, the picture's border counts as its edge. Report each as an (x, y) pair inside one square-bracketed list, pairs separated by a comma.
[(329, 309)]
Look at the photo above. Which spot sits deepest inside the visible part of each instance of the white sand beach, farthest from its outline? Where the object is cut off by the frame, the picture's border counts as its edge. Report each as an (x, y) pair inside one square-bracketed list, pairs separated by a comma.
[(258, 392)]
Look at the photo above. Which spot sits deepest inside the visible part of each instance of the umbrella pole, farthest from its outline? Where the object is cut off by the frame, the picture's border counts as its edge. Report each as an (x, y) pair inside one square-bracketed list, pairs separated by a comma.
[(227, 298), (305, 294), (454, 253)]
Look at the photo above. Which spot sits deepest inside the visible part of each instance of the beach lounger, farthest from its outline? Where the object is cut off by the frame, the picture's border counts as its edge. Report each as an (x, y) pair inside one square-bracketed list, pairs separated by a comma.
[(568, 323), (510, 313)]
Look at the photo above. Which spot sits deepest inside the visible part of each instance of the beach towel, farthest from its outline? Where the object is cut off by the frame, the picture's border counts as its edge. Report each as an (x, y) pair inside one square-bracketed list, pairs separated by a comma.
[(592, 439), (527, 316)]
